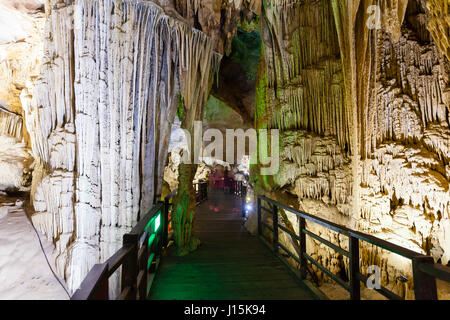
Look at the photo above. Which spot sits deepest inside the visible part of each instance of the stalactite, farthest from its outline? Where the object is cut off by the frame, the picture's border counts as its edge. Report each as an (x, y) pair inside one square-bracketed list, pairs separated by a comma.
[(11, 124), (101, 114), (410, 90), (385, 94), (315, 167), (306, 74)]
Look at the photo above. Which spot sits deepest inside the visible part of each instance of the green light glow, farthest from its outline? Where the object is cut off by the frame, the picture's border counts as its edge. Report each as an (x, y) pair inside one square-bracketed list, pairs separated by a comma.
[(157, 222), (151, 239)]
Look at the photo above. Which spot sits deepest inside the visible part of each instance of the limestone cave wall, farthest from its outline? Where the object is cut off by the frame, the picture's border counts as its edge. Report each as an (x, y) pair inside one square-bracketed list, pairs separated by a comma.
[(100, 116), (364, 115)]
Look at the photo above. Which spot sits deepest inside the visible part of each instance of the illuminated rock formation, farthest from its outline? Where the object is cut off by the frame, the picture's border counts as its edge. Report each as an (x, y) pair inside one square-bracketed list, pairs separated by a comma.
[(92, 88), (100, 118), (365, 114)]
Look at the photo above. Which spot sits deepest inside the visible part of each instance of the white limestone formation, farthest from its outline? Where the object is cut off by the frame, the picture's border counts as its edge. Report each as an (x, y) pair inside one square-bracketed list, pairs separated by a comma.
[(20, 57), (100, 118), (21, 41), (395, 184), (11, 124), (15, 164)]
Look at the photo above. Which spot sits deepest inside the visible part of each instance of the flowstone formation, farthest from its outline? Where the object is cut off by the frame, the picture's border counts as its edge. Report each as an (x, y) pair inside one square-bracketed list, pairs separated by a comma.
[(100, 118), (364, 114), (21, 24), (92, 87)]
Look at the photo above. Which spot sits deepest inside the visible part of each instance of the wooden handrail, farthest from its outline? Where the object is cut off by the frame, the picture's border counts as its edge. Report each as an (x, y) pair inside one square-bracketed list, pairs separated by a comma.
[(425, 271), (138, 257), (89, 288), (116, 260), (346, 231)]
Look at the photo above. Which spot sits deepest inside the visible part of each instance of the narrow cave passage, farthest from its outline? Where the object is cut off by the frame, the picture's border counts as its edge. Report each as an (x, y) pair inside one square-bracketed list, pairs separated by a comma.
[(231, 264)]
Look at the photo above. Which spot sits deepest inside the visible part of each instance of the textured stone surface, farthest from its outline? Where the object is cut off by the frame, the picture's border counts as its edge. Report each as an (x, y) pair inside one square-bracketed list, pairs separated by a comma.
[(15, 164), (372, 108), (21, 50), (100, 119)]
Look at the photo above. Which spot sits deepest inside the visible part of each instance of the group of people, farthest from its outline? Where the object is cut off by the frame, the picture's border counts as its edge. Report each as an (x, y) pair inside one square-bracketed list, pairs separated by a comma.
[(222, 180)]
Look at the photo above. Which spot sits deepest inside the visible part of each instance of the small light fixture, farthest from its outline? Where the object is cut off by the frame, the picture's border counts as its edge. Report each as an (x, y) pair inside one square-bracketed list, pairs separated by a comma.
[(157, 222)]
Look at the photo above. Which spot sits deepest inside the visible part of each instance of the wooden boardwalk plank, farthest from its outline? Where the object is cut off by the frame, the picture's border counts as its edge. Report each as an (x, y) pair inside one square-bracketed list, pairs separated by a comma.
[(230, 264)]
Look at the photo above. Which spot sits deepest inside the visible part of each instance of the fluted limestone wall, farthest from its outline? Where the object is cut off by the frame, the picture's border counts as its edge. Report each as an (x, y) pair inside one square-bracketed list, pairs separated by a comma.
[(100, 118), (305, 70), (365, 119), (404, 180)]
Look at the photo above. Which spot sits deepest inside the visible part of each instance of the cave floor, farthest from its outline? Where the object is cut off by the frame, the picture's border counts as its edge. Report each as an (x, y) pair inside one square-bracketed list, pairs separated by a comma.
[(230, 264), (24, 273)]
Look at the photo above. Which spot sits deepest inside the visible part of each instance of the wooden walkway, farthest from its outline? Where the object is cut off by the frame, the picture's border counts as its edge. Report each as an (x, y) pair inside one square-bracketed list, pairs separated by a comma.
[(230, 264)]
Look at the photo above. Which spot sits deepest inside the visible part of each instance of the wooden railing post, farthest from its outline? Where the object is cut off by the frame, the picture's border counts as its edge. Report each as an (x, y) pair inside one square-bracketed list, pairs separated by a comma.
[(102, 292), (302, 236), (259, 217), (424, 284), (95, 286), (355, 292), (243, 205), (275, 228), (165, 216), (130, 266), (142, 271)]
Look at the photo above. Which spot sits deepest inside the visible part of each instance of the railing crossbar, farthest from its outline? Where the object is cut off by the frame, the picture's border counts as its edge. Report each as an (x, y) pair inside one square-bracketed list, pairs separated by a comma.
[(141, 226), (289, 232), (327, 272), (425, 272), (116, 260), (289, 253), (327, 243), (437, 270), (138, 257), (383, 291)]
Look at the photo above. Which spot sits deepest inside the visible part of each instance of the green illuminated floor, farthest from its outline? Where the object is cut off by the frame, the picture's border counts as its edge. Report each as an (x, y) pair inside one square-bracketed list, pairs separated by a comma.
[(230, 264)]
